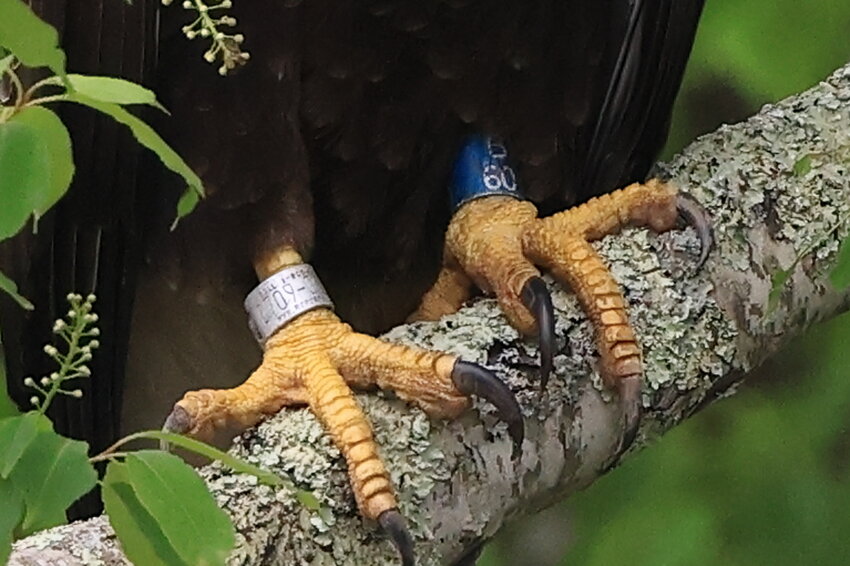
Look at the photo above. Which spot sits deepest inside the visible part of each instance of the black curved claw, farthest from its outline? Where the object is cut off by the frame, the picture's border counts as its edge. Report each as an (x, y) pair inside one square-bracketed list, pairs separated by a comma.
[(535, 296), (472, 379), (396, 528), (692, 213), (178, 422), (631, 408)]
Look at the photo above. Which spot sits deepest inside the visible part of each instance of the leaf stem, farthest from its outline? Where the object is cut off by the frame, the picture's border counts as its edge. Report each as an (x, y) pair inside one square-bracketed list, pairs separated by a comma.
[(119, 443), (103, 456), (39, 84), (47, 99)]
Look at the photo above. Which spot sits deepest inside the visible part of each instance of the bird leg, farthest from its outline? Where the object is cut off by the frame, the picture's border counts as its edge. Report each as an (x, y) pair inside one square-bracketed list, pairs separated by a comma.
[(496, 242), (313, 360)]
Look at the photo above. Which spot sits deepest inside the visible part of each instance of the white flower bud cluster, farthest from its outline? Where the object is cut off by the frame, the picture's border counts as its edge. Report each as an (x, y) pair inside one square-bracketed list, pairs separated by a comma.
[(225, 46), (77, 331)]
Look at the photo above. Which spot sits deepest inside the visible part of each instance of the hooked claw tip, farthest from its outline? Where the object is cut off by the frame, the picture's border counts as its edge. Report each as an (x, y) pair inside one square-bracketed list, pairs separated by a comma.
[(472, 379), (178, 421), (631, 408), (396, 528), (692, 212), (535, 296)]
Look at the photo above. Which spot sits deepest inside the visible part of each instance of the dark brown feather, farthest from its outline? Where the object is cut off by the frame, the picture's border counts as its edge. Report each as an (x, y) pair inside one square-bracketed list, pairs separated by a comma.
[(357, 107)]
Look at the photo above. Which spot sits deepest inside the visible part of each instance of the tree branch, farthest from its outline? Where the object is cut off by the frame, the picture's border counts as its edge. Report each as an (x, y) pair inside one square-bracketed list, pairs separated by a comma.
[(777, 189)]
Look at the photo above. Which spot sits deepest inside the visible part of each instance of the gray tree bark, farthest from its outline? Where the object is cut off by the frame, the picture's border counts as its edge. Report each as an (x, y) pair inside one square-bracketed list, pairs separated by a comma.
[(778, 190)]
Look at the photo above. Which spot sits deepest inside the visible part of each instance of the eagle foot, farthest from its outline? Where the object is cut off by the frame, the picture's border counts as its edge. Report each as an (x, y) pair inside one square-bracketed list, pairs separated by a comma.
[(496, 242), (314, 360)]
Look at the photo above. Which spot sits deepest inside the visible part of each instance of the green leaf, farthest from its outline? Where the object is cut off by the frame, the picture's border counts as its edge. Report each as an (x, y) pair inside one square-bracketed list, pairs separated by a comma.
[(11, 513), (308, 499), (16, 435), (176, 497), (146, 136), (141, 537), (212, 453), (33, 41), (52, 473), (187, 203), (840, 274), (7, 406), (10, 288), (37, 165), (57, 142), (110, 89), (24, 162)]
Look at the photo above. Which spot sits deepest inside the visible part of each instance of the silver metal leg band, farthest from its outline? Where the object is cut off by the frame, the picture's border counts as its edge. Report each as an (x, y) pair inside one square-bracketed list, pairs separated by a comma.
[(290, 292)]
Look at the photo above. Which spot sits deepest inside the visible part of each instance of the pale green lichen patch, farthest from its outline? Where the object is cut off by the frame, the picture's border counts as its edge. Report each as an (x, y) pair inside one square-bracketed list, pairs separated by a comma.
[(84, 543), (294, 445), (468, 334), (770, 213), (686, 339)]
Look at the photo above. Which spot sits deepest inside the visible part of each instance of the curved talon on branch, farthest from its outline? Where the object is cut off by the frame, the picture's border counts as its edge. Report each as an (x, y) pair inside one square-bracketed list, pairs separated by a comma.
[(535, 296), (178, 422), (693, 214), (631, 407), (472, 379), (395, 526)]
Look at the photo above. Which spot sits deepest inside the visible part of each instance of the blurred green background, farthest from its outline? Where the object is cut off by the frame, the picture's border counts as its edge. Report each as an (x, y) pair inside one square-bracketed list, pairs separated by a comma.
[(762, 478)]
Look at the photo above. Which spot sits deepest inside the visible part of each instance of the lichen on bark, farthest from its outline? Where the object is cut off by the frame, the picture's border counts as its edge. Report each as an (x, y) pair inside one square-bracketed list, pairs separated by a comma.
[(778, 191)]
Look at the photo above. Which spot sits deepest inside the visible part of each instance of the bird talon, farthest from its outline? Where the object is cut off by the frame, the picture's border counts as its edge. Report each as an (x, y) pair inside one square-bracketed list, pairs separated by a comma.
[(631, 407), (693, 214), (472, 379), (536, 298), (178, 421), (393, 523)]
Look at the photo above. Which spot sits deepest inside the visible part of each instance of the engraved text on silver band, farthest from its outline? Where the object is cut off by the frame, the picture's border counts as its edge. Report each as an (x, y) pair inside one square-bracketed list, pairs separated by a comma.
[(290, 292)]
